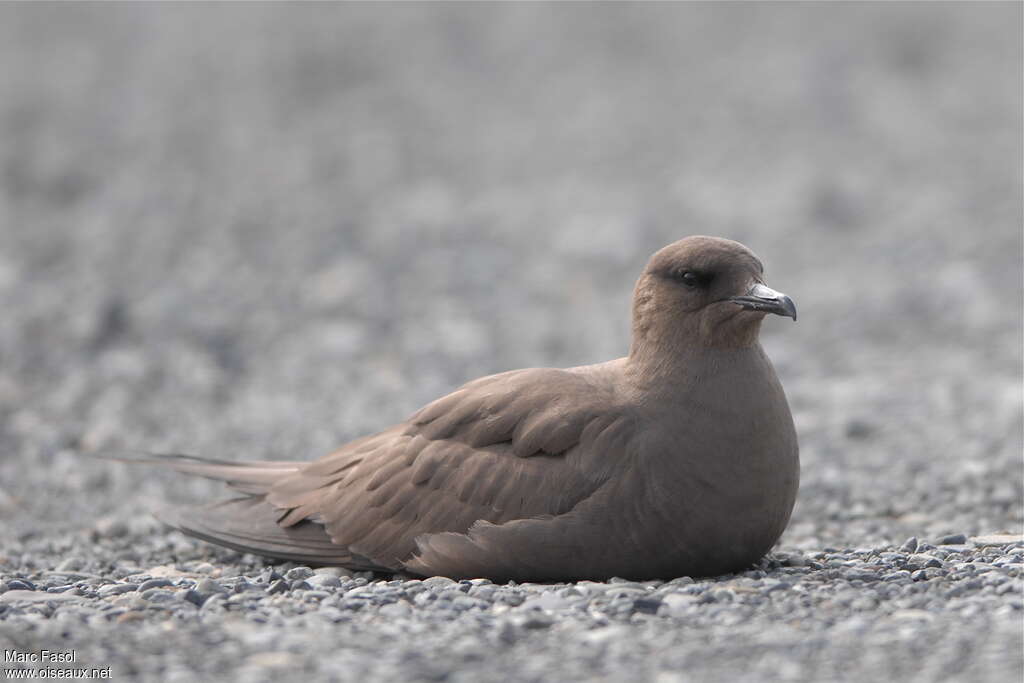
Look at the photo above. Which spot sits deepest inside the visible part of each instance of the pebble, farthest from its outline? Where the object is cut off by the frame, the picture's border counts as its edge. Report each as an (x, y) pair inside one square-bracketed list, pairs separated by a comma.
[(117, 589), (952, 539), (154, 583), (298, 573), (855, 588), (324, 581), (209, 586)]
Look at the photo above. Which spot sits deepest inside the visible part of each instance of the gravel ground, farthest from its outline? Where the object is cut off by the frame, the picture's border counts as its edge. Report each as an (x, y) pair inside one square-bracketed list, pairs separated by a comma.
[(259, 231)]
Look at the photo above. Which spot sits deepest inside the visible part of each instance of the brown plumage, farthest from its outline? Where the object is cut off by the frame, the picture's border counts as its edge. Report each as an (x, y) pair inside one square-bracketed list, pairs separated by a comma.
[(678, 459)]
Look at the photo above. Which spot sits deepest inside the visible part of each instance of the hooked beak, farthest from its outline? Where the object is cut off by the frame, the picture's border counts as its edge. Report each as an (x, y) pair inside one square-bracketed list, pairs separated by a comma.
[(766, 299)]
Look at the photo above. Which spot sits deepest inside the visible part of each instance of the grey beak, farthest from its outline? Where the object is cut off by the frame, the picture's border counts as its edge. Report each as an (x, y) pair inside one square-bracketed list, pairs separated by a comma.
[(761, 298)]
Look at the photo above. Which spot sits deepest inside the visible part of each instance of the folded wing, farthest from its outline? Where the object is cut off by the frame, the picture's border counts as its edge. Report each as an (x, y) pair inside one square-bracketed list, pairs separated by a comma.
[(519, 445)]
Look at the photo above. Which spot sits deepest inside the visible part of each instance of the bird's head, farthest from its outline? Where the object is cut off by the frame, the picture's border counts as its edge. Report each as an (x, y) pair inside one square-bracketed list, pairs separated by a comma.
[(703, 291)]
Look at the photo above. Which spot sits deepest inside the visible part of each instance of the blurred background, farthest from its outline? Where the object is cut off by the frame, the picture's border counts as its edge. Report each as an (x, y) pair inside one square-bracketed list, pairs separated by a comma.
[(259, 231)]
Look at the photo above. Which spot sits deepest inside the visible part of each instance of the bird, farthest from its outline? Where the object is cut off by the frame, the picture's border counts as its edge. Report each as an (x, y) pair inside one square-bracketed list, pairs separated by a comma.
[(678, 459)]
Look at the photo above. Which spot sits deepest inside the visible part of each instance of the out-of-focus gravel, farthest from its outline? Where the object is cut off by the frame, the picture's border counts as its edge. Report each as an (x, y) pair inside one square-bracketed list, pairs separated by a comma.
[(259, 231)]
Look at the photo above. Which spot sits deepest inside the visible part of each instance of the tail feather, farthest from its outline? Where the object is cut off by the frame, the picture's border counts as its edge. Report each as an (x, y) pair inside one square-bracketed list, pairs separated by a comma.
[(254, 478), (249, 524)]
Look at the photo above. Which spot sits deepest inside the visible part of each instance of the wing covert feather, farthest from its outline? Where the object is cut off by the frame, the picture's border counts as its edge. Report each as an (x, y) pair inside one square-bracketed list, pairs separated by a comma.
[(518, 445)]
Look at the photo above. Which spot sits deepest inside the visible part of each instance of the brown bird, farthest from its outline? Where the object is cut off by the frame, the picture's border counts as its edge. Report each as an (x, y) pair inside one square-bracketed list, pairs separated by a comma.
[(678, 459)]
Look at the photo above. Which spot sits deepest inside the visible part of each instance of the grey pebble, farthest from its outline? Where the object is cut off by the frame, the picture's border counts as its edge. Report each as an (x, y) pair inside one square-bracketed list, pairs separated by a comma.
[(117, 589), (268, 576), (209, 586), (537, 620), (335, 572), (647, 605), (214, 602), (298, 573), (923, 561), (324, 581), (242, 585), (158, 595), (154, 583), (953, 539), (193, 597), (963, 588)]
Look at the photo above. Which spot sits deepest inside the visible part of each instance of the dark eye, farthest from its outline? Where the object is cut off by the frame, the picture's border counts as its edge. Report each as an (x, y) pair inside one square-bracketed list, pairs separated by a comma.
[(692, 279)]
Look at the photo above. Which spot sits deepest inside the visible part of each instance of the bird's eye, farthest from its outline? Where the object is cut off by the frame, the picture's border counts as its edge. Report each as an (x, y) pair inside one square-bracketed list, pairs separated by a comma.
[(690, 278)]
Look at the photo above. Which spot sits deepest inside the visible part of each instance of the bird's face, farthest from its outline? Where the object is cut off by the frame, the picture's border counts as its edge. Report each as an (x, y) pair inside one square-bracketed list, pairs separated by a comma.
[(709, 289)]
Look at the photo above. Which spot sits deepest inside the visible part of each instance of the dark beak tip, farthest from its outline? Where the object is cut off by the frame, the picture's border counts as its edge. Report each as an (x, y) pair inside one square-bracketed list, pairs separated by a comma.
[(762, 298), (788, 307)]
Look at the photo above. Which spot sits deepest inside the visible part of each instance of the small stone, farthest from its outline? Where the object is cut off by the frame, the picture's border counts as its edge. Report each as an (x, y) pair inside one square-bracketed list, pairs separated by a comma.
[(242, 585), (193, 597), (464, 602), (538, 620), (435, 582), (300, 585), (678, 604), (278, 586), (268, 575), (336, 572), (324, 581), (154, 583), (772, 585), (298, 573), (209, 587), (646, 605), (997, 539), (116, 589), (910, 545), (158, 595), (214, 602), (922, 560), (681, 581), (964, 587), (396, 610), (953, 539), (546, 601), (919, 575), (20, 585), (315, 595)]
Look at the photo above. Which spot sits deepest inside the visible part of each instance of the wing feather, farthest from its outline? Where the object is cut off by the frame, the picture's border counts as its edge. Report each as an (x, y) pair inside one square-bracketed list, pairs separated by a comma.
[(517, 445)]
